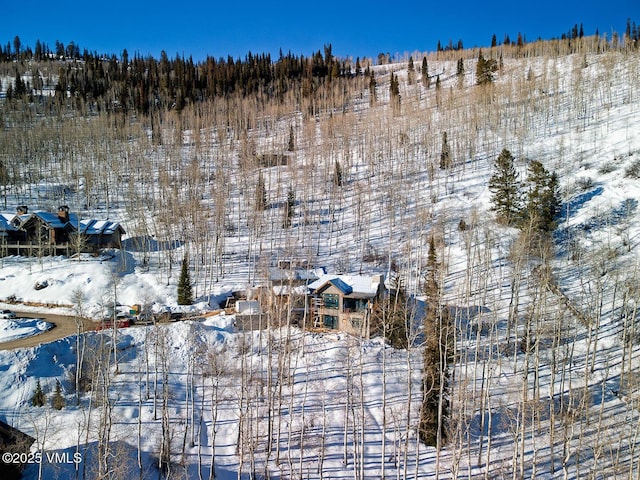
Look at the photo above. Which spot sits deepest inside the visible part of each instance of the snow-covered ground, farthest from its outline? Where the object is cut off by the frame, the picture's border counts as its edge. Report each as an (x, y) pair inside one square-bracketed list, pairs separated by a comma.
[(545, 379), (90, 286), (322, 406), (18, 328)]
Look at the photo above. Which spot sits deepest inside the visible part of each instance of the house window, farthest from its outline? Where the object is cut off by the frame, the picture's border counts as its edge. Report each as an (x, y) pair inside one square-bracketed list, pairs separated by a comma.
[(331, 321), (354, 304), (356, 323), (330, 300)]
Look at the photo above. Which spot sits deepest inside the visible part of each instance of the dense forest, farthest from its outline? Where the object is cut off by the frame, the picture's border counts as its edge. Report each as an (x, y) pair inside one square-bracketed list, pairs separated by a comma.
[(91, 82)]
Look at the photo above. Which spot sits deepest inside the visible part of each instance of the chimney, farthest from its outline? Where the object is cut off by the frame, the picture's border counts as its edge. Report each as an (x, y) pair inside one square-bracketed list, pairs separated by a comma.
[(63, 213), (22, 210), (379, 281)]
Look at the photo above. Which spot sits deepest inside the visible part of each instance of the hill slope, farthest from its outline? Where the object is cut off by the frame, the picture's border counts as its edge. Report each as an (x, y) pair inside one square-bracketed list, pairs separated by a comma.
[(544, 380)]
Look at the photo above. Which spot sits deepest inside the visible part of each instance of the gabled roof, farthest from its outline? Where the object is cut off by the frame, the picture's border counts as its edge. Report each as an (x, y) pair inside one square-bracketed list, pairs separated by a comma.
[(341, 285), (6, 225), (99, 227), (88, 227), (50, 219), (355, 286)]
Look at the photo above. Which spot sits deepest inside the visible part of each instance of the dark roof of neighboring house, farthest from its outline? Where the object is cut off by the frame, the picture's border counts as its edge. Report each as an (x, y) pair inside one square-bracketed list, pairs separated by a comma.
[(51, 219), (6, 226), (99, 227), (88, 226), (12, 436)]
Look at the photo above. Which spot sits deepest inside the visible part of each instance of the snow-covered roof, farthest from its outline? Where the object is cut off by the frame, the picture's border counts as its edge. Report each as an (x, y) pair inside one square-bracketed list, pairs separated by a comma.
[(295, 275), (6, 225), (285, 290), (248, 307), (88, 226), (99, 227), (51, 219), (350, 285)]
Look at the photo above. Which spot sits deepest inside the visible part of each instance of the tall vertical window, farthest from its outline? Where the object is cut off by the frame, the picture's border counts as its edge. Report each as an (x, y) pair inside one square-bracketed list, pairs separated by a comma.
[(330, 321)]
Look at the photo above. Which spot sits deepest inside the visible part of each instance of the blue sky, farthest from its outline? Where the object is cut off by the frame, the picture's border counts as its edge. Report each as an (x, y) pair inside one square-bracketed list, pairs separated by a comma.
[(357, 28)]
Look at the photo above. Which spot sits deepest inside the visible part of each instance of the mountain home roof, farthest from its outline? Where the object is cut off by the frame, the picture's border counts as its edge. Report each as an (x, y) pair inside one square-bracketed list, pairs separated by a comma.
[(355, 286), (102, 233), (345, 302), (42, 228), (6, 227)]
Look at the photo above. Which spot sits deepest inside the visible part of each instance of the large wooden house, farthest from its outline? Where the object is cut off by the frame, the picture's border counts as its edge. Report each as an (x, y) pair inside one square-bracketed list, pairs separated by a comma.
[(345, 302), (46, 233), (101, 234), (8, 232), (45, 228)]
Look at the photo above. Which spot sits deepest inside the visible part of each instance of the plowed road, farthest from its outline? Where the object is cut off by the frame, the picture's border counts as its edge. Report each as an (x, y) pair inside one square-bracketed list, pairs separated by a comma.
[(63, 327)]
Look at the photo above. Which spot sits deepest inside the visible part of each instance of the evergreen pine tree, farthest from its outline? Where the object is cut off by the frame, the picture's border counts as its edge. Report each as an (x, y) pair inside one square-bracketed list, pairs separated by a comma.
[(291, 146), (39, 398), (20, 88), (337, 174), (445, 154), (394, 92), (504, 185), (185, 293), (543, 203), (398, 317), (58, 400), (480, 68), (431, 281), (438, 353), (372, 89), (411, 70), (485, 69), (289, 207), (424, 71)]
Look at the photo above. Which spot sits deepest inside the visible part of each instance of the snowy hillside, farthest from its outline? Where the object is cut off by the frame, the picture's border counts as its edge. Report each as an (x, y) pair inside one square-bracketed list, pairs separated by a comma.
[(315, 393), (544, 379)]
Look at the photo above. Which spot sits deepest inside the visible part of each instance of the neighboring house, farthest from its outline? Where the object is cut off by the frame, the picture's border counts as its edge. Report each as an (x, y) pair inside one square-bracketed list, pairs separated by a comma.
[(345, 302), (54, 233), (45, 228), (293, 276), (101, 234), (8, 232), (288, 286), (248, 307)]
